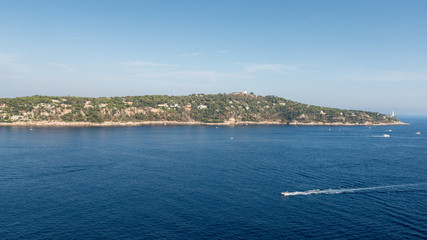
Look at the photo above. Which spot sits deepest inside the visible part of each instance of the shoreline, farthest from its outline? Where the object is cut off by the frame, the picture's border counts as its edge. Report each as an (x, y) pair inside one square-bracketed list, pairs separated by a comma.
[(175, 123)]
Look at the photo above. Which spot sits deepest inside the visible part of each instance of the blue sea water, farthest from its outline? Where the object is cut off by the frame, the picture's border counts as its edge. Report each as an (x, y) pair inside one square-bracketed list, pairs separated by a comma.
[(207, 182)]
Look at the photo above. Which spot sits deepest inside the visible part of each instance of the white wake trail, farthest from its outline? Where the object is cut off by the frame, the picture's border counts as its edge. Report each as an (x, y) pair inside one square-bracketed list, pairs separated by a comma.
[(352, 190)]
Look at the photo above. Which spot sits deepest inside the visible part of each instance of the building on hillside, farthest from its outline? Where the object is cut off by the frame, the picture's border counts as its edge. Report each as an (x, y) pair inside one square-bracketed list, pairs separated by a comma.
[(240, 93)]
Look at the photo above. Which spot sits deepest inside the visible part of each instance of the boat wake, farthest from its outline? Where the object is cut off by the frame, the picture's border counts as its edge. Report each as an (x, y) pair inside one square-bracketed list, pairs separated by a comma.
[(355, 190)]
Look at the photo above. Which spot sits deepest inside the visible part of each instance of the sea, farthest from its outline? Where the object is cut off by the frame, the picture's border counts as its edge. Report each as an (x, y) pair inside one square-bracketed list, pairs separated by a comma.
[(214, 182)]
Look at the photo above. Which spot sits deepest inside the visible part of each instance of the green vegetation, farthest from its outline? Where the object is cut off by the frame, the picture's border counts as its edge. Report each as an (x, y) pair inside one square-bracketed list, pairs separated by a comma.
[(206, 108)]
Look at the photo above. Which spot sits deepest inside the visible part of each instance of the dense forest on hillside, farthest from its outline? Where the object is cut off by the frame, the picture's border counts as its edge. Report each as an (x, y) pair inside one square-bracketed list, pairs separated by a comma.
[(205, 108)]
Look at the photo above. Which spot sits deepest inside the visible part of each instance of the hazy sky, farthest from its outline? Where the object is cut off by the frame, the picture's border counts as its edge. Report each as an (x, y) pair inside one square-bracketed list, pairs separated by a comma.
[(369, 55)]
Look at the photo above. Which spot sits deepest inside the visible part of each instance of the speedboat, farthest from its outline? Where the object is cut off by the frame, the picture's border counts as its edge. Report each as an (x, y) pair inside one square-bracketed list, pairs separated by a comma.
[(386, 135), (418, 133), (285, 194)]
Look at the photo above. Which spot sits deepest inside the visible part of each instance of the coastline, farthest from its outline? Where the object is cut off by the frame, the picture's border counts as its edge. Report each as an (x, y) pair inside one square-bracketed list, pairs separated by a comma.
[(194, 123)]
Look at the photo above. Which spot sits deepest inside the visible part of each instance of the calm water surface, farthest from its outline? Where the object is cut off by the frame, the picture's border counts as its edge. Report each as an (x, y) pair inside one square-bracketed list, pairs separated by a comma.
[(199, 182)]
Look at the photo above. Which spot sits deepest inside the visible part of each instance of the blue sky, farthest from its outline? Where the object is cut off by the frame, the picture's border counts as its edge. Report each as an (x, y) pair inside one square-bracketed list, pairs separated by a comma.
[(369, 55)]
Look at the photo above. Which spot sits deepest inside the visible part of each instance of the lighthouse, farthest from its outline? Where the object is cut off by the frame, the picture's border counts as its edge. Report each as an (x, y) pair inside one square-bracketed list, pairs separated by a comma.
[(392, 113)]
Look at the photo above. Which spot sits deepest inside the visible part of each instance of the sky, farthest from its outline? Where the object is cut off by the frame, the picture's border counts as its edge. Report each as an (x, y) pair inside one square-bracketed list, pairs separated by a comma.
[(369, 55)]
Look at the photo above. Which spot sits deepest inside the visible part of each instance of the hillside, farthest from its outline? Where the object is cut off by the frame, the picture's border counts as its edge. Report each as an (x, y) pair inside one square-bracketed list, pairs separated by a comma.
[(234, 108)]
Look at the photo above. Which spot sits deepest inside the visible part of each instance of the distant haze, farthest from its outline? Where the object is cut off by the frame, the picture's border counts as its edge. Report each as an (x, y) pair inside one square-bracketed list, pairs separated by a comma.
[(369, 55)]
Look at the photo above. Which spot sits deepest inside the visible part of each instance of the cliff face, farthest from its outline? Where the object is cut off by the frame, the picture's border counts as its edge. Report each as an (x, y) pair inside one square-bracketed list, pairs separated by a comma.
[(196, 108)]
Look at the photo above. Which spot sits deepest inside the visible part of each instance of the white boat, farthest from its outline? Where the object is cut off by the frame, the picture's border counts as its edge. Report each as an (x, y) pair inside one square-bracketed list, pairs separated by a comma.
[(386, 135), (285, 194), (418, 133)]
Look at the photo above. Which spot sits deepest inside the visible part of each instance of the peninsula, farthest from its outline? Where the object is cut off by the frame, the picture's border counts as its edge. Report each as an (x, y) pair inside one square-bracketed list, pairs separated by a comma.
[(195, 109)]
